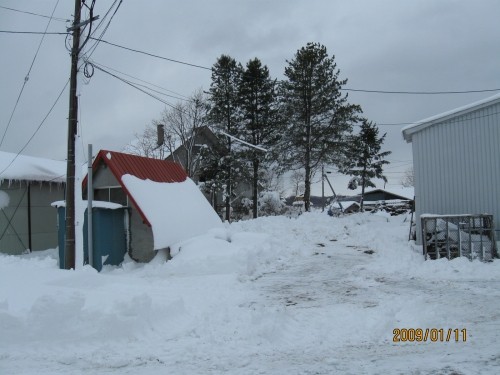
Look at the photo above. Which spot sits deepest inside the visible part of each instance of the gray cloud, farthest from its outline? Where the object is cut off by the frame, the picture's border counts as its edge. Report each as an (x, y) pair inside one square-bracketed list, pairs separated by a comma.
[(387, 45)]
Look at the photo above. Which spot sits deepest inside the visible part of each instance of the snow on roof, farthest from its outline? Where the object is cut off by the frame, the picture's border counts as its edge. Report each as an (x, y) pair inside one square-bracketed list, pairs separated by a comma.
[(345, 204), (401, 191), (22, 167), (176, 211), (422, 124), (144, 168)]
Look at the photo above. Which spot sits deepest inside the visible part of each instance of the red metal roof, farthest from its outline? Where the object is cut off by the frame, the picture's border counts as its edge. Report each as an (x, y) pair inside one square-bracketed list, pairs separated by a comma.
[(120, 164), (157, 170)]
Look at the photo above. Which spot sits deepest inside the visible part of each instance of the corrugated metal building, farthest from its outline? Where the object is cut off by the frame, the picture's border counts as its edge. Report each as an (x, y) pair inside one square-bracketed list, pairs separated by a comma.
[(456, 161), (28, 185)]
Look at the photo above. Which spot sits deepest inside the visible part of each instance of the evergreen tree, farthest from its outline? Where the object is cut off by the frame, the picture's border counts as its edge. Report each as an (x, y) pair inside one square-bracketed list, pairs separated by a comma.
[(258, 118), (318, 116), (365, 161), (224, 115)]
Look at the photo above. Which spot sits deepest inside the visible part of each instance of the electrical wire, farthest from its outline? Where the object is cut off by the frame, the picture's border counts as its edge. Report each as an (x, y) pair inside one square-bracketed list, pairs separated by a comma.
[(153, 55), (419, 92), (136, 87), (92, 49), (27, 77), (35, 14), (421, 122), (37, 129), (100, 40), (32, 32), (147, 84)]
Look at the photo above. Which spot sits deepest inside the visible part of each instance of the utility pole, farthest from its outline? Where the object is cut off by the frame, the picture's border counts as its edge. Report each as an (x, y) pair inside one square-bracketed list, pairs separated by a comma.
[(69, 248), (323, 188)]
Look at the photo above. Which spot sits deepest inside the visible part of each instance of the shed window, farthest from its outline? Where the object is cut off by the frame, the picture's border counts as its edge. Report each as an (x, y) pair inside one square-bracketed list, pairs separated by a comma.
[(112, 194)]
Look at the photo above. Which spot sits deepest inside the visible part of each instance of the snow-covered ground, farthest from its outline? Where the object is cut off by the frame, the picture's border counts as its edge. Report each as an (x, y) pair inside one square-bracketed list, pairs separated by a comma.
[(312, 295)]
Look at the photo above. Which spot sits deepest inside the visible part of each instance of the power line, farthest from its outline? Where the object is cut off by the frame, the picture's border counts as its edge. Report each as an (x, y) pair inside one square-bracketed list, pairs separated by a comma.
[(37, 129), (421, 122), (134, 86), (419, 92), (35, 14), (207, 68), (153, 55), (98, 40), (32, 32), (27, 77), (178, 95)]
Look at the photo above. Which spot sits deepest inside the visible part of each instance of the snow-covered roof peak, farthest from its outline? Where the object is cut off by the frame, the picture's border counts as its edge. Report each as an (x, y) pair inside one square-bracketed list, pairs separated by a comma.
[(422, 124)]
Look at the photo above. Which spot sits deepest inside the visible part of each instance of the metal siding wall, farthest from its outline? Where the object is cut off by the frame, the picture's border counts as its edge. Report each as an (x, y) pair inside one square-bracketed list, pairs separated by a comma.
[(103, 178), (141, 238), (44, 216), (457, 166), (15, 235)]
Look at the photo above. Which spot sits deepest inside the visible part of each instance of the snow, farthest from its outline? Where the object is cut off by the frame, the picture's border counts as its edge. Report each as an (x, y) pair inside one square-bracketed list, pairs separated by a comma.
[(177, 211), (312, 295), (22, 167), (95, 204)]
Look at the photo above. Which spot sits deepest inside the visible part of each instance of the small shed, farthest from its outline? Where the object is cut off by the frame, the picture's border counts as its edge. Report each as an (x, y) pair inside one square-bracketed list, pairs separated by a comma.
[(109, 228), (164, 206), (456, 161), (28, 185)]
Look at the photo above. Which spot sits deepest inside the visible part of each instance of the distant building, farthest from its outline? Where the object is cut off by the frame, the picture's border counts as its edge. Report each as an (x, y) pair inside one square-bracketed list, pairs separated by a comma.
[(456, 161), (28, 185), (191, 156)]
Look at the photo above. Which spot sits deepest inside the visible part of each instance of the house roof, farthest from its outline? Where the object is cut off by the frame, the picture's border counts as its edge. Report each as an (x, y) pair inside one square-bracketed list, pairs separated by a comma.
[(409, 130), (143, 168), (402, 193), (29, 168), (157, 170)]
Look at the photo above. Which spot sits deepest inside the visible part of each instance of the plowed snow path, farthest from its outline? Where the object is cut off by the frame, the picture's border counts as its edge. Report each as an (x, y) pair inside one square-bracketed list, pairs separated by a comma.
[(339, 308)]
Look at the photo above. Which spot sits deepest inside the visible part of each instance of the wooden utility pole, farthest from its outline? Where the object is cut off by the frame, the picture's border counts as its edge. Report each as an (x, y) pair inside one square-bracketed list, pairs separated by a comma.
[(69, 248)]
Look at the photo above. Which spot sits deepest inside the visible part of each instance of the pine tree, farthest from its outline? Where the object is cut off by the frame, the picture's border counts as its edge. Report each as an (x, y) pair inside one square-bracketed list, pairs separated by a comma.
[(318, 116), (224, 115), (258, 117), (365, 161)]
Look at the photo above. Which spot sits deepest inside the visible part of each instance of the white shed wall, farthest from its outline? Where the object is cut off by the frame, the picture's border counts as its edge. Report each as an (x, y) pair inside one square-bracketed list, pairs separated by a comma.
[(457, 166)]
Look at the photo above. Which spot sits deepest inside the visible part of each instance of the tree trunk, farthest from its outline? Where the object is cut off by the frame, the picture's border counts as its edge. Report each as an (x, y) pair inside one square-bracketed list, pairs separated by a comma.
[(255, 192), (228, 188), (363, 177)]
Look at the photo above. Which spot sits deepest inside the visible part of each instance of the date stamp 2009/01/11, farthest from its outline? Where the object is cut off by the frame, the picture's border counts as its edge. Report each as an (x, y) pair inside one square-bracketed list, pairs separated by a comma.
[(429, 334)]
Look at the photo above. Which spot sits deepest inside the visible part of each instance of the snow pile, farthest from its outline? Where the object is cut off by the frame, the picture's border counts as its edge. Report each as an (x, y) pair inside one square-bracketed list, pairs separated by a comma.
[(273, 295), (177, 211), (270, 203), (22, 167)]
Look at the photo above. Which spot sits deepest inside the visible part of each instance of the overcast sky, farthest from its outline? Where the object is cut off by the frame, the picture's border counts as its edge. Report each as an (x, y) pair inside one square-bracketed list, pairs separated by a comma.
[(424, 45)]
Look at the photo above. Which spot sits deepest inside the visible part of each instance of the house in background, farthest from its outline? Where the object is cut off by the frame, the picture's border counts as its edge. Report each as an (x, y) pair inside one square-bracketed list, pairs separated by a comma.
[(390, 194), (193, 155), (164, 206), (456, 161), (189, 154), (394, 200), (28, 186)]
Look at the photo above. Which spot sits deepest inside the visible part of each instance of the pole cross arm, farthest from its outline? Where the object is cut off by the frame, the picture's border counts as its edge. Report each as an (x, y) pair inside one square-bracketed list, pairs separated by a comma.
[(80, 24)]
